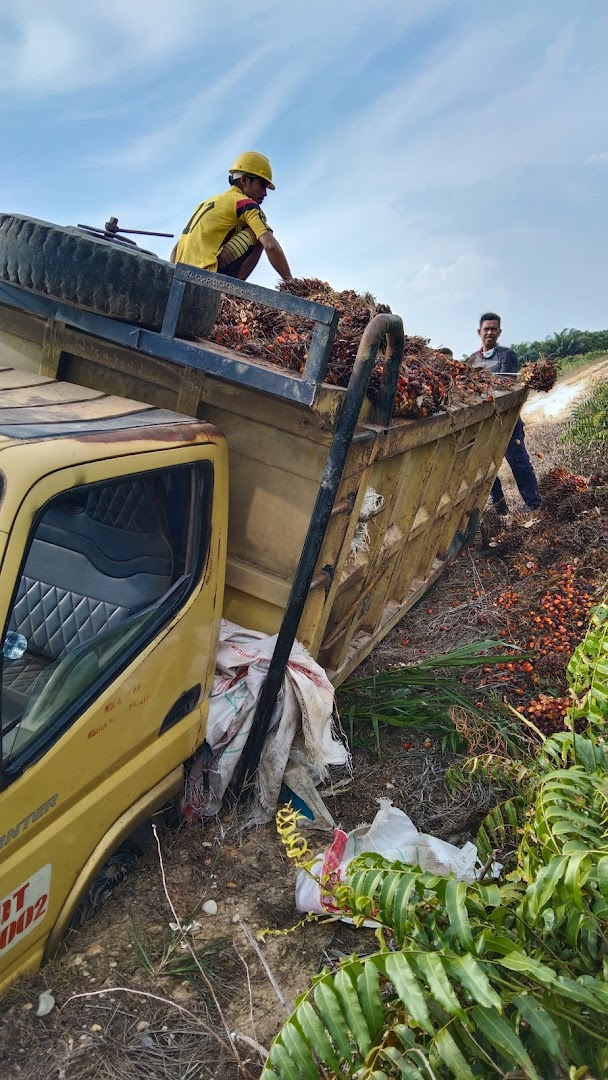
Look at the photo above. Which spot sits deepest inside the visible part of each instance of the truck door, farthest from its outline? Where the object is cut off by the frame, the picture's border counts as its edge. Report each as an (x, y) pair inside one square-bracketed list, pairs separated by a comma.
[(112, 585)]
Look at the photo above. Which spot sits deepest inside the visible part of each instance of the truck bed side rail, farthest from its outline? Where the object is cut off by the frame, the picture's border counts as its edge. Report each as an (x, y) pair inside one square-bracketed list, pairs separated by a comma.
[(206, 356)]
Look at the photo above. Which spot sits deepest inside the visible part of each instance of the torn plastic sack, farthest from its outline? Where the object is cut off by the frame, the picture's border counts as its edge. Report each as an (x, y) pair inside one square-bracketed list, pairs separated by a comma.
[(393, 835), (373, 504), (304, 716)]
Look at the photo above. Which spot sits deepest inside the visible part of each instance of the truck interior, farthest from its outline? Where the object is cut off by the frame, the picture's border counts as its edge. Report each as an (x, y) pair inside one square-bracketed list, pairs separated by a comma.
[(103, 562)]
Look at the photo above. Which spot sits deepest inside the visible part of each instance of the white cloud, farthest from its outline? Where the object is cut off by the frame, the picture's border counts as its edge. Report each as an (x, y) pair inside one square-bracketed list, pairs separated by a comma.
[(156, 147), (53, 49), (598, 159), (460, 277), (58, 48)]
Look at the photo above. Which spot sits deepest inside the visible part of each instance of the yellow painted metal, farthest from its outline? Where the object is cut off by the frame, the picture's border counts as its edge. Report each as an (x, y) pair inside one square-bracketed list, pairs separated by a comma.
[(111, 765), (136, 814)]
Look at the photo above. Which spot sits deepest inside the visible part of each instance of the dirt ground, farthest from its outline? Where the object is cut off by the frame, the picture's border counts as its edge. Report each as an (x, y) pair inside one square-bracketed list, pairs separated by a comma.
[(130, 1002), (555, 406)]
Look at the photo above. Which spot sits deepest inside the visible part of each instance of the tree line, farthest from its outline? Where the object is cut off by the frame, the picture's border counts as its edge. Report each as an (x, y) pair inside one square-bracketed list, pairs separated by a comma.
[(567, 342)]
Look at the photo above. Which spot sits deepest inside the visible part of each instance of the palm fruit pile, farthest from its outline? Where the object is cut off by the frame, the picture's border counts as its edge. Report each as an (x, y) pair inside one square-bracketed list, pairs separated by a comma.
[(573, 526), (558, 619), (539, 375), (547, 625), (557, 567), (429, 382), (548, 713)]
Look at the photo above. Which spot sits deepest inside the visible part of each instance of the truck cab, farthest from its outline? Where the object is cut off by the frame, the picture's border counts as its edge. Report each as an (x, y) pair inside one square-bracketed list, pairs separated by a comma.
[(113, 520)]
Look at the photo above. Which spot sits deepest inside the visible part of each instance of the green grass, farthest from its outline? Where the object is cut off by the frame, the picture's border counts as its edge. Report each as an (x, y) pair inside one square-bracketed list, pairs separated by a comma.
[(420, 696), (169, 957), (588, 426), (569, 364)]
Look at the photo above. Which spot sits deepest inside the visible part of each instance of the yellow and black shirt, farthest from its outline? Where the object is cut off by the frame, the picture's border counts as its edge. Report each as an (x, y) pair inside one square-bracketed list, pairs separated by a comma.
[(214, 222)]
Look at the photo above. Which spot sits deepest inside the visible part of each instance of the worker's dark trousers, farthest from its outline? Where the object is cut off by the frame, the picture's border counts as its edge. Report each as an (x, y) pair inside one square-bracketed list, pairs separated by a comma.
[(521, 467)]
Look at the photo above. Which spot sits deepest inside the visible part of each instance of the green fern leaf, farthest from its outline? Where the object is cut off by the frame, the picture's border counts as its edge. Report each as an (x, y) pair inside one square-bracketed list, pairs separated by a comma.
[(431, 968), (351, 1007), (542, 1025), (313, 1030), (516, 960), (400, 917), (541, 890), (450, 1053), (326, 1001), (299, 1051), (501, 1036), (455, 902), (576, 875), (490, 895), (585, 991), (573, 928), (602, 876), (268, 1073), (280, 1057), (406, 1069), (386, 899), (469, 973), (368, 992), (408, 989)]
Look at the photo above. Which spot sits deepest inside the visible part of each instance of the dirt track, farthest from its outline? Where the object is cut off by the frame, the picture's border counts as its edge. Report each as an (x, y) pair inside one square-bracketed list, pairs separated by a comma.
[(554, 407)]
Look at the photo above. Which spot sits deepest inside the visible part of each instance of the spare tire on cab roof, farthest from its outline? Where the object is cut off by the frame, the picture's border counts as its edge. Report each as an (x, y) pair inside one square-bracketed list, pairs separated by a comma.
[(109, 278)]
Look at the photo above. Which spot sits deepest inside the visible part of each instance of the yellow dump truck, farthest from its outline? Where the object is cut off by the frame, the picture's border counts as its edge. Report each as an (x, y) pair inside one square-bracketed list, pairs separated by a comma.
[(152, 481)]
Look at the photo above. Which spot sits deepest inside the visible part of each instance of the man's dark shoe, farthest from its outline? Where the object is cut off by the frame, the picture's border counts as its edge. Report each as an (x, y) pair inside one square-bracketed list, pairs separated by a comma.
[(501, 507)]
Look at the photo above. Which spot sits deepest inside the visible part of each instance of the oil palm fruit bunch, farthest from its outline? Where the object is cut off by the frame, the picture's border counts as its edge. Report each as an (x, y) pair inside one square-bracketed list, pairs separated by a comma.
[(560, 481), (540, 374)]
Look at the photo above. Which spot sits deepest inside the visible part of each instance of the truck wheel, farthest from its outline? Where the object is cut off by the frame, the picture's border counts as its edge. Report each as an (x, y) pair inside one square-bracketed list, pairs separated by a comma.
[(118, 866), (106, 277)]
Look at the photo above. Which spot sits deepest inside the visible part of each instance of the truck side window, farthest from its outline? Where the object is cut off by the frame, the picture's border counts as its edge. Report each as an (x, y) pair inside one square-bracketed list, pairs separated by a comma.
[(106, 566)]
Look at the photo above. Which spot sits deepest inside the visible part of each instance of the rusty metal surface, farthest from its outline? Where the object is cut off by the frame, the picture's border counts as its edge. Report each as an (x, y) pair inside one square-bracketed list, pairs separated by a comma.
[(50, 409), (183, 430), (12, 378)]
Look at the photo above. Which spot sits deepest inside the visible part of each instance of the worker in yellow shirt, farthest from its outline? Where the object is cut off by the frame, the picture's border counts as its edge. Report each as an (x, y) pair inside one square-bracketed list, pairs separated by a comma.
[(228, 232)]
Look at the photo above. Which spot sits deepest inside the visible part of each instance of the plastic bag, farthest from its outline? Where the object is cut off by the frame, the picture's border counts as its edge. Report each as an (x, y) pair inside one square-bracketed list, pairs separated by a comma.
[(393, 835)]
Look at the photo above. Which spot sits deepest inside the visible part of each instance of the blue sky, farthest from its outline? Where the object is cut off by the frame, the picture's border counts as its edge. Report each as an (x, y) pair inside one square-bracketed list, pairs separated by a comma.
[(449, 157)]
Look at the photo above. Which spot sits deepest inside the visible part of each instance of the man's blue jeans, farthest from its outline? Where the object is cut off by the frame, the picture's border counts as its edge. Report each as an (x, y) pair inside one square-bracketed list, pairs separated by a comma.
[(521, 467)]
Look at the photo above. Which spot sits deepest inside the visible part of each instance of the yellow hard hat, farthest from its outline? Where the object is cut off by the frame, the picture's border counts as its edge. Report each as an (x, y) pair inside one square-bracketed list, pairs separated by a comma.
[(255, 164)]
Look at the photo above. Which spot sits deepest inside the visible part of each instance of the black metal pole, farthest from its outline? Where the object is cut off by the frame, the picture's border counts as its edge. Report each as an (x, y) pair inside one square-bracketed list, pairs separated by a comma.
[(380, 326)]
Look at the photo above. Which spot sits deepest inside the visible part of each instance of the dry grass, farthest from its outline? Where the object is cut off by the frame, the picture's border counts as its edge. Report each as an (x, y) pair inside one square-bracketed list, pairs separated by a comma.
[(128, 1046), (116, 1035)]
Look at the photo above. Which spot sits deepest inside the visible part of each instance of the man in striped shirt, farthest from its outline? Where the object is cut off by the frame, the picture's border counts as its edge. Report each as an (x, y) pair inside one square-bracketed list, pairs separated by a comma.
[(228, 232)]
